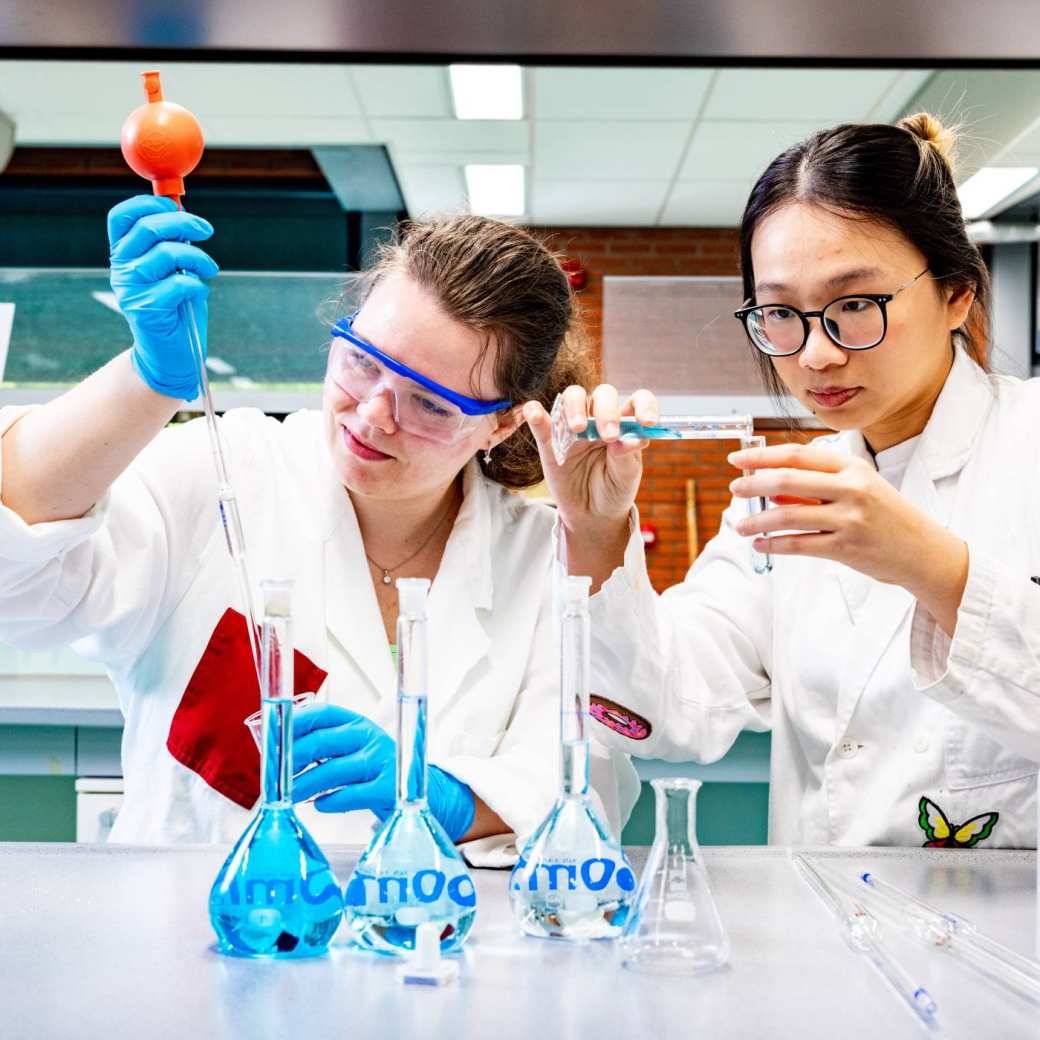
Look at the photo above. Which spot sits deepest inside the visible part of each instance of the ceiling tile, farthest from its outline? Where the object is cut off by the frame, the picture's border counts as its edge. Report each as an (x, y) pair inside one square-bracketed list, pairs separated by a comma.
[(113, 89), (715, 203), (432, 189), (402, 91), (633, 203), (70, 129), (899, 94), (486, 140), (58, 86), (827, 95), (618, 93), (284, 131), (301, 91), (568, 150), (1024, 150), (738, 150)]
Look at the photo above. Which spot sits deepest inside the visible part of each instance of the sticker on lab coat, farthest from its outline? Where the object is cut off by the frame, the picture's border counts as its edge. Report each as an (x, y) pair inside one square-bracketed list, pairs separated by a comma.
[(620, 720), (945, 835)]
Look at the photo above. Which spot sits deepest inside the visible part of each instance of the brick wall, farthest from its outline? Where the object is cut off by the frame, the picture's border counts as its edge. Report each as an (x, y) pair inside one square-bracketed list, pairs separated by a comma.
[(667, 467)]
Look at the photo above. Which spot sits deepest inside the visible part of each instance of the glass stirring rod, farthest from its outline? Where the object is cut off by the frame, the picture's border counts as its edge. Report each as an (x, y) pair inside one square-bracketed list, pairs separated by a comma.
[(676, 428)]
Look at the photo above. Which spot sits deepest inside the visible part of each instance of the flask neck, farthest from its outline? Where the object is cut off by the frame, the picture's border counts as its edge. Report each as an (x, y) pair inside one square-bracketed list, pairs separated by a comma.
[(411, 711), (676, 810), (575, 769), (277, 691), (574, 700)]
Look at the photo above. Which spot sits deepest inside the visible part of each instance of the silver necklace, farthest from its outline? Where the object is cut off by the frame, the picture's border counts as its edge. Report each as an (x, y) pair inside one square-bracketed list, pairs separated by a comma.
[(386, 579)]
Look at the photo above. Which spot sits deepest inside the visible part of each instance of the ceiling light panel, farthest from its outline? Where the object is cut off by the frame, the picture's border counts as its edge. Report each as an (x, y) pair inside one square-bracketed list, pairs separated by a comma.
[(986, 189), (496, 190), (487, 91)]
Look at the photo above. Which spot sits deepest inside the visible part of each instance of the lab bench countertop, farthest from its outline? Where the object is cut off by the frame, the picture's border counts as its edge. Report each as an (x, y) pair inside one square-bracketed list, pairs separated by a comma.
[(115, 941)]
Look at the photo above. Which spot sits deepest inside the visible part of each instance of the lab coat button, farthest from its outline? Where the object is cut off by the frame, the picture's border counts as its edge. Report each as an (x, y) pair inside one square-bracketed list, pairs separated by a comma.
[(848, 749), (920, 744)]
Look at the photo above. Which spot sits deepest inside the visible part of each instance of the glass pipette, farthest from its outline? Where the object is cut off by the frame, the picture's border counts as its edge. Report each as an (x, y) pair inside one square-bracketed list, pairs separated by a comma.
[(952, 934), (227, 503), (162, 142), (675, 428), (862, 933)]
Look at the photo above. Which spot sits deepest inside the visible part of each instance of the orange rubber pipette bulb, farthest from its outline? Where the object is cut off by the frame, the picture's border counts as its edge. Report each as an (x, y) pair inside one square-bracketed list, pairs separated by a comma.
[(161, 141)]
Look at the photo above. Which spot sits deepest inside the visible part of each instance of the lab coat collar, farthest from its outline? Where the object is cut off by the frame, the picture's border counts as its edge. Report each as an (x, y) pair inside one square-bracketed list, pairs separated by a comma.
[(471, 538), (960, 410), (462, 594), (952, 429), (947, 440)]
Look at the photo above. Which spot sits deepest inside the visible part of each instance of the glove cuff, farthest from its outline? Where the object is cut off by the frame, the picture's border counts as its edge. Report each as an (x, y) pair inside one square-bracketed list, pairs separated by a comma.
[(452, 802), (183, 389)]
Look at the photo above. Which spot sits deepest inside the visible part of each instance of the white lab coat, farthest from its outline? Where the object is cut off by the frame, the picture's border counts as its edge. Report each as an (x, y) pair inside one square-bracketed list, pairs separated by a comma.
[(871, 706), (142, 582)]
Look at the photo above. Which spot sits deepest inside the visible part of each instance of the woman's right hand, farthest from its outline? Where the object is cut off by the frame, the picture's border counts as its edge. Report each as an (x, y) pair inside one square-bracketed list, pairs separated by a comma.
[(596, 487), (153, 271)]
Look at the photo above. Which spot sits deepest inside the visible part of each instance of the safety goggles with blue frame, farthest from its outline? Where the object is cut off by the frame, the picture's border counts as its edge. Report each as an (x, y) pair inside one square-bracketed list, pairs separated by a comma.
[(422, 406)]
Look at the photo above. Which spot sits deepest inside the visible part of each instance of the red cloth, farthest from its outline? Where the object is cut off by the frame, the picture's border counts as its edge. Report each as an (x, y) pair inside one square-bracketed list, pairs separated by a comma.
[(208, 734)]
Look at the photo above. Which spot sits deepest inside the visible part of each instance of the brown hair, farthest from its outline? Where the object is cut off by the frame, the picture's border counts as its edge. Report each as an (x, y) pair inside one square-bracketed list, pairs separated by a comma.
[(900, 176), (502, 282)]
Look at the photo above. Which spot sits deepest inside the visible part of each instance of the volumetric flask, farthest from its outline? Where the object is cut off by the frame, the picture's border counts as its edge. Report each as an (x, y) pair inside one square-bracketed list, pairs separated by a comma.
[(675, 928), (573, 880), (275, 895), (411, 874), (677, 428)]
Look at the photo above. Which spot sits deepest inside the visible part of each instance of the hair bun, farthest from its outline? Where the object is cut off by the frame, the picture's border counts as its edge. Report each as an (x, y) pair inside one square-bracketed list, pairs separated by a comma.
[(925, 127)]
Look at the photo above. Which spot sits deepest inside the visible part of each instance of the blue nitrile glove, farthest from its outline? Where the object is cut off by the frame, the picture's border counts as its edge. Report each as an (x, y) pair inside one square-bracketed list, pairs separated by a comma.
[(357, 764), (148, 239)]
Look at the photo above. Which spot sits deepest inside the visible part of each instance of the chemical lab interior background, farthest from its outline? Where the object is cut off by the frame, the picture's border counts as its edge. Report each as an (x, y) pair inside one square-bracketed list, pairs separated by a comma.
[(636, 175)]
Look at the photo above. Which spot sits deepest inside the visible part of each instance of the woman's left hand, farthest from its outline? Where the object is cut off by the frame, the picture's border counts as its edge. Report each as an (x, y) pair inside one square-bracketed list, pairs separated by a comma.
[(352, 764), (840, 508)]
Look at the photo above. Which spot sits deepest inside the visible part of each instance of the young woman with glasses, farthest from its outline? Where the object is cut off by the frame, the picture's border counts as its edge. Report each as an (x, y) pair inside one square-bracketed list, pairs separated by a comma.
[(109, 538), (894, 650)]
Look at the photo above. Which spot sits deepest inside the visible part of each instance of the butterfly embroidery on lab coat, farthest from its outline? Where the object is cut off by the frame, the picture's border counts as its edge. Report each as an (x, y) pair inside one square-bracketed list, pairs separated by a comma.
[(944, 835)]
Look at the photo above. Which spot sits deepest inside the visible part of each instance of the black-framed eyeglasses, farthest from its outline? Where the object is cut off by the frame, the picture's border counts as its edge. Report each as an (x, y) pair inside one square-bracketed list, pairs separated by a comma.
[(855, 322)]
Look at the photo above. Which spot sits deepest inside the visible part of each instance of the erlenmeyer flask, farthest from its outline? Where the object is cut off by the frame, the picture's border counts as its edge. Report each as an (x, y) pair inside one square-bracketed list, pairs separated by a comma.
[(573, 881), (275, 895), (675, 927), (411, 873)]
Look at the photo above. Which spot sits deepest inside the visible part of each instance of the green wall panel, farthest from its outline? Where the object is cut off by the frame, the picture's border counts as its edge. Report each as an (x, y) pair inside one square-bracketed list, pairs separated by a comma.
[(727, 814), (37, 808)]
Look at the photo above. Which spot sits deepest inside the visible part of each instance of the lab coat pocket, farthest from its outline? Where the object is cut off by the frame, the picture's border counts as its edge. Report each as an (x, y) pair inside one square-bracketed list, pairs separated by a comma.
[(208, 734), (976, 760)]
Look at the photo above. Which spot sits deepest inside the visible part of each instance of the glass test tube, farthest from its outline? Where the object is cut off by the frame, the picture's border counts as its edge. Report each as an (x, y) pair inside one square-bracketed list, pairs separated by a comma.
[(672, 427)]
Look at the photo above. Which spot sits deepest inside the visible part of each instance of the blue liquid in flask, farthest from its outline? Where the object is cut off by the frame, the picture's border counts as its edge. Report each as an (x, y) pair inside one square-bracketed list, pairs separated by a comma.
[(573, 880), (275, 895), (411, 873)]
